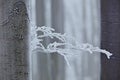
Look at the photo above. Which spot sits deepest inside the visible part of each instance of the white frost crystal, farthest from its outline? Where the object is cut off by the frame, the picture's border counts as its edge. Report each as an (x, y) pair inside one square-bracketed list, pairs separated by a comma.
[(64, 47)]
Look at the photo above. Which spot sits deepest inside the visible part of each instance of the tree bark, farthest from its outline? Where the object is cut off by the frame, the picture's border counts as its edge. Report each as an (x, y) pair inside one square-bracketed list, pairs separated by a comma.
[(13, 40), (110, 39)]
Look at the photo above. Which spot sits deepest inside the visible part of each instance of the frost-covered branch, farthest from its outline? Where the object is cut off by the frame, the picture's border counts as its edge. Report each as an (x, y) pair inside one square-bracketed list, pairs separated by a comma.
[(64, 47)]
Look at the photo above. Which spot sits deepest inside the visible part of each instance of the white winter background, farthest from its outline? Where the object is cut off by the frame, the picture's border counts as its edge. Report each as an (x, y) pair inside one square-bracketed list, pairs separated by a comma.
[(78, 18)]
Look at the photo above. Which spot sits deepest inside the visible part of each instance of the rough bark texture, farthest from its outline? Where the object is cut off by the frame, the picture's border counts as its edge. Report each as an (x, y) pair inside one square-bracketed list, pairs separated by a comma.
[(13, 40), (110, 13)]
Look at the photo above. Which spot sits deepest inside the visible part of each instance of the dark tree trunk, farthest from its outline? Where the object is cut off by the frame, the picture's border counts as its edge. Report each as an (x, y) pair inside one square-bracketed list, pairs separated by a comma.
[(13, 40), (110, 13)]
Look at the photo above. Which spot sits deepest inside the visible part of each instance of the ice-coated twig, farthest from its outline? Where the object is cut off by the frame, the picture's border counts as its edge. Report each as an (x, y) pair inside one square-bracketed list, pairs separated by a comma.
[(61, 47)]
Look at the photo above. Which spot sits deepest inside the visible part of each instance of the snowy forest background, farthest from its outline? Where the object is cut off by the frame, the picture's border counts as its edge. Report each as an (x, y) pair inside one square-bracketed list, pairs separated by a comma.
[(89, 21)]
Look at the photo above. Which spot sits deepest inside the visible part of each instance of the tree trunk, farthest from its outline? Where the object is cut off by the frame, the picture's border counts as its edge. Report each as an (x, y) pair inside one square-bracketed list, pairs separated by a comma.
[(110, 39), (13, 40), (57, 17)]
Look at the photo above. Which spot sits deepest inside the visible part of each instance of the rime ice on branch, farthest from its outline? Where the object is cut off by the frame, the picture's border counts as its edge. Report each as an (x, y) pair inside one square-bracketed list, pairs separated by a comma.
[(58, 46)]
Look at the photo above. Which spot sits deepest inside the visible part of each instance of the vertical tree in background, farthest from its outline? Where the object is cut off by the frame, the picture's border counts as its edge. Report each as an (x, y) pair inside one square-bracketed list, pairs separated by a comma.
[(110, 18), (13, 40), (57, 22)]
